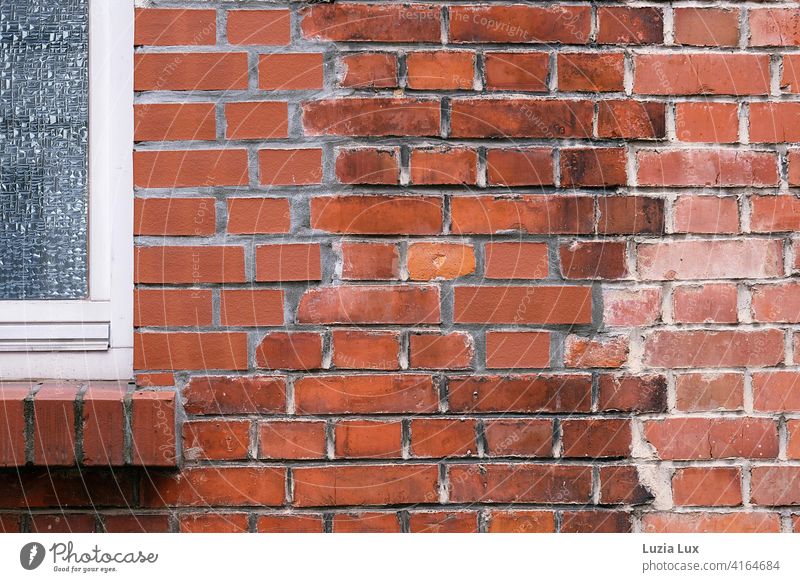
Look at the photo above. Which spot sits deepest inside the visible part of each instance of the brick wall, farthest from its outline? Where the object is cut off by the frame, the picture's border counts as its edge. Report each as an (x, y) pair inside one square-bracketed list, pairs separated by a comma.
[(464, 267)]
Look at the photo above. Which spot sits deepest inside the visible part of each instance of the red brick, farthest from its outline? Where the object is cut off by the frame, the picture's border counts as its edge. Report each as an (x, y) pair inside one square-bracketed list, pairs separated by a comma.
[(701, 74), (286, 439), (630, 215), (776, 391), (377, 214), (631, 307), (216, 440), (596, 438), (443, 522), (793, 443), (711, 303), (790, 80), (509, 71), (257, 120), (448, 351), (728, 348), (444, 166), (595, 522), (621, 484), (213, 523), (595, 352), (235, 395), (172, 307), (521, 521), (365, 485), (794, 166), (440, 69), (48, 489), (593, 167), (740, 522), (628, 393), (707, 168), (707, 122), (210, 264), (774, 27), (63, 523), (373, 117), (519, 437), (259, 27), (520, 483), (288, 262), (347, 21), (710, 259), (366, 522), (592, 72), (631, 119), (438, 261), (707, 486), (517, 349), (103, 424), (174, 121), (370, 304), (158, 379), (363, 349), (190, 71), (515, 260), (251, 307), (366, 393), (520, 24), (443, 437), (528, 393), (370, 261), (12, 417), (775, 485), (706, 214), (520, 167), (774, 213), (190, 351), (776, 303), (290, 71), (164, 27), (709, 391), (720, 438), (137, 523), (290, 167), (368, 70), (549, 214), (190, 168), (594, 260), (54, 424), (174, 216), (368, 166), (706, 26), (625, 25), (368, 439), (153, 438), (290, 351), (476, 118), (290, 523), (215, 486), (258, 215), (523, 305)]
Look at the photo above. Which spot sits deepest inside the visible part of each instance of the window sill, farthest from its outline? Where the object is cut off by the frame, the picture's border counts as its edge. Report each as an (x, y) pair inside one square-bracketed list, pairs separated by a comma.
[(90, 424)]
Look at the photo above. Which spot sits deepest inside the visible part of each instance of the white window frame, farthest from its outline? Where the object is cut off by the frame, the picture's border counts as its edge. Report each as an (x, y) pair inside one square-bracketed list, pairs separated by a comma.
[(91, 339)]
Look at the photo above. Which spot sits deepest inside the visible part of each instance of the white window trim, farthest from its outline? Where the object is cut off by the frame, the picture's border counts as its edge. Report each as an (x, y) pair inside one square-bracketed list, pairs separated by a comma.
[(91, 339)]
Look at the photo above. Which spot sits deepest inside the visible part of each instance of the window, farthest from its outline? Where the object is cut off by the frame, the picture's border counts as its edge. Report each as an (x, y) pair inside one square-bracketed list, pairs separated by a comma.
[(66, 200)]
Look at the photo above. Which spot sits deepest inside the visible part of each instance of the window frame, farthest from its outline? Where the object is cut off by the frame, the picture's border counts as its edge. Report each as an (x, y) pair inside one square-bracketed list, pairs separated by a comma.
[(92, 338)]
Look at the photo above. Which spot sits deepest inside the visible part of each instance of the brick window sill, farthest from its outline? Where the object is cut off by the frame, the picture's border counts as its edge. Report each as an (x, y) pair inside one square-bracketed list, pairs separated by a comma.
[(88, 424)]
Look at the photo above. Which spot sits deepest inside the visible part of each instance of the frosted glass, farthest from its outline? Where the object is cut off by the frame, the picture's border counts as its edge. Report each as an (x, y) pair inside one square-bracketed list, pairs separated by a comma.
[(44, 118)]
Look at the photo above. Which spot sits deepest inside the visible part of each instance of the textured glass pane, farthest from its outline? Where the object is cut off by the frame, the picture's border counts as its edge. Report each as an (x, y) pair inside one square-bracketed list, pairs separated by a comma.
[(44, 107)]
